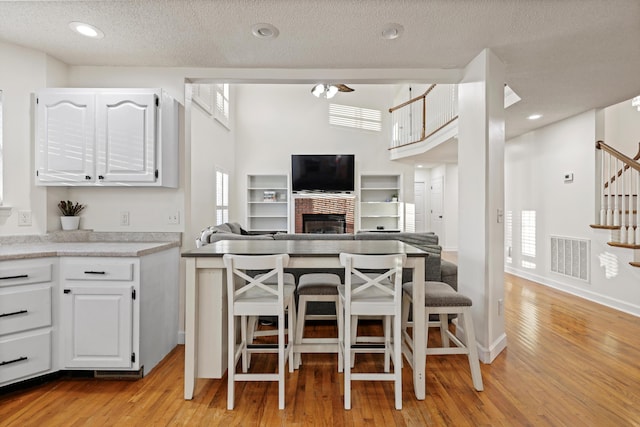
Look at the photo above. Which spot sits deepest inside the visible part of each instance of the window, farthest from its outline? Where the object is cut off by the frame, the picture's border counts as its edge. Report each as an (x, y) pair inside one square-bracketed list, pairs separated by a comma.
[(528, 239), (222, 197), (355, 117), (508, 236), (221, 111)]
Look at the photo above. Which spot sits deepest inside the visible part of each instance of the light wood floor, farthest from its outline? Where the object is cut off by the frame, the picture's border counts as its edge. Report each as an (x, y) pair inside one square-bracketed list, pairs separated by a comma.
[(569, 362)]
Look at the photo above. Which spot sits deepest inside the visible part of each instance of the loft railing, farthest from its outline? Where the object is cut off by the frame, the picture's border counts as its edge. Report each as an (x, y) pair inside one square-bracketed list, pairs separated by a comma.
[(620, 189), (419, 118)]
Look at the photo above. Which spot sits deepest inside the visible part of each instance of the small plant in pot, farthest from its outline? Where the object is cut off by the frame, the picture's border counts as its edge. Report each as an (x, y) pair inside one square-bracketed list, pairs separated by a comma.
[(70, 211)]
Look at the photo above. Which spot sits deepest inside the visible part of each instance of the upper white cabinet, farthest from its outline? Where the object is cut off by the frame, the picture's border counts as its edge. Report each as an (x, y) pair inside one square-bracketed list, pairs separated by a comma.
[(107, 137)]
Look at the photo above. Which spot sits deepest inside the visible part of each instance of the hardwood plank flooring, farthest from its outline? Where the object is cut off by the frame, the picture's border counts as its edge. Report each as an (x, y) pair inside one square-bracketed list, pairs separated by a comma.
[(569, 362)]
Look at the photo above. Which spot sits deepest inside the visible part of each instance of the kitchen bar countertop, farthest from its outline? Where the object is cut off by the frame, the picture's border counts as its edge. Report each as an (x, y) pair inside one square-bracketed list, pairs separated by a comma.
[(82, 249)]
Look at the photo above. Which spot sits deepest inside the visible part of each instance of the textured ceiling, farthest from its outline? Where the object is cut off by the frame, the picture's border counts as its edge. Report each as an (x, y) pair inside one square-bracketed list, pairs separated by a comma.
[(562, 57)]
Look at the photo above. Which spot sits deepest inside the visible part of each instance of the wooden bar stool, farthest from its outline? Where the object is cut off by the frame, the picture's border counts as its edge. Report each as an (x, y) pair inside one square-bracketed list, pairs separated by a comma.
[(370, 294), (442, 300), (315, 287), (251, 296)]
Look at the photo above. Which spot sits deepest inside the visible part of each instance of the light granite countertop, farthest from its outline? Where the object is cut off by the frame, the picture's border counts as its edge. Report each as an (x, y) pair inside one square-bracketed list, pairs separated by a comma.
[(82, 249)]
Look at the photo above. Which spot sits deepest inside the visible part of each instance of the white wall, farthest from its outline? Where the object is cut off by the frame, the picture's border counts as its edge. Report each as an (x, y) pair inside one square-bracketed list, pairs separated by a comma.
[(535, 164), (622, 128), (22, 72), (275, 121)]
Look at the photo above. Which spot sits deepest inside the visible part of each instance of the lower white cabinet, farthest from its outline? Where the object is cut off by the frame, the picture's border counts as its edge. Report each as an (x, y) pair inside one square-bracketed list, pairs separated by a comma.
[(27, 329), (98, 325), (118, 313)]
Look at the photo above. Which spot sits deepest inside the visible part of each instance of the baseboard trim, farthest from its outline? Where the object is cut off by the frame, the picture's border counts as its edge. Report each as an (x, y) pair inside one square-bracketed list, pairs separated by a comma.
[(181, 337)]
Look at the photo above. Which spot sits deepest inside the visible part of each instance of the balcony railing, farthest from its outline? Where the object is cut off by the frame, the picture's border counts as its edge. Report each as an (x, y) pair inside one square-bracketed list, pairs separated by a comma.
[(421, 117)]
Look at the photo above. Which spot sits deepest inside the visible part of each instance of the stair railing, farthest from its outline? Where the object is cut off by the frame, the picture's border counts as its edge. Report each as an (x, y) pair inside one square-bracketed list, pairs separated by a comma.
[(620, 193), (419, 118)]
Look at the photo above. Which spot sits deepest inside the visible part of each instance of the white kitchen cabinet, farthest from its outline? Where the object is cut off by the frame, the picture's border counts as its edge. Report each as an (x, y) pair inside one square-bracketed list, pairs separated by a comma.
[(106, 137), (118, 313), (380, 205), (26, 319)]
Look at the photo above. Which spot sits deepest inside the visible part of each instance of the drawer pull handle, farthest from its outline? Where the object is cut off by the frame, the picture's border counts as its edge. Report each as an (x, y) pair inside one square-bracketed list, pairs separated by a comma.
[(8, 362), (13, 314), (94, 272), (20, 276)]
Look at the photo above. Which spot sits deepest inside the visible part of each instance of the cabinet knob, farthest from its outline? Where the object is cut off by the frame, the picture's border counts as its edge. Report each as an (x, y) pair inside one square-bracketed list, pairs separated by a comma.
[(87, 177), (100, 177), (67, 291)]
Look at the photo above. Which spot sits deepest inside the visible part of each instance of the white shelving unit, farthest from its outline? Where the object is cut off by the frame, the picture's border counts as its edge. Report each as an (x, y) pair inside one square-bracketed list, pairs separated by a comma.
[(378, 211), (267, 203)]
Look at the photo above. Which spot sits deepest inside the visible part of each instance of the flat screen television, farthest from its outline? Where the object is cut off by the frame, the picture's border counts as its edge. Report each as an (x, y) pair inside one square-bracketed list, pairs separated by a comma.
[(322, 172)]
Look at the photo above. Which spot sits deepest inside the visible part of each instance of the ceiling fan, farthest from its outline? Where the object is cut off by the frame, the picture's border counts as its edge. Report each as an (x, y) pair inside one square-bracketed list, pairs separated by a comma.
[(323, 90)]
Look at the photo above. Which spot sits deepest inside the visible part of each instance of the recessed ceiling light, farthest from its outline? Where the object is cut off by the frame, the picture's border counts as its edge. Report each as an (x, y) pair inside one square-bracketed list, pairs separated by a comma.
[(392, 31), (534, 116), (86, 30), (264, 31)]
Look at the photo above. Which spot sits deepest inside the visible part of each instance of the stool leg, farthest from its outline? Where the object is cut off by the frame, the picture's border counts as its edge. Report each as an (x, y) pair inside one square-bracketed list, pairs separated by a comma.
[(474, 363), (244, 340), (290, 334), (353, 335), (302, 313), (347, 357), (339, 319), (397, 359), (444, 327), (386, 326), (341, 345), (231, 366), (281, 360)]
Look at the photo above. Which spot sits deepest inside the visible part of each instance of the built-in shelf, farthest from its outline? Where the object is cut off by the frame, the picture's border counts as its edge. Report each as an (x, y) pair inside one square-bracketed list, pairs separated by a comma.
[(267, 203), (378, 210)]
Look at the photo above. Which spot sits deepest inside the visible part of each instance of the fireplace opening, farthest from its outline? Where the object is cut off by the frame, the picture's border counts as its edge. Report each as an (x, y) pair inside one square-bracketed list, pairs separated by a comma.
[(324, 223)]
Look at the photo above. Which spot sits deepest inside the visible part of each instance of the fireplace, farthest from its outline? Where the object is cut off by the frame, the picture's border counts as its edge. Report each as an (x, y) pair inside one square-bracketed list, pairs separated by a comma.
[(324, 223), (329, 213)]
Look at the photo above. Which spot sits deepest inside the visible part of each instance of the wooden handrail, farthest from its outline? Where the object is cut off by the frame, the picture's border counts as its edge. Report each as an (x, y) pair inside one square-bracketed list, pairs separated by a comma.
[(600, 145), (412, 100)]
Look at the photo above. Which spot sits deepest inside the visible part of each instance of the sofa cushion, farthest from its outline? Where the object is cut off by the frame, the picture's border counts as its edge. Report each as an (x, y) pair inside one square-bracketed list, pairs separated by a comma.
[(234, 227)]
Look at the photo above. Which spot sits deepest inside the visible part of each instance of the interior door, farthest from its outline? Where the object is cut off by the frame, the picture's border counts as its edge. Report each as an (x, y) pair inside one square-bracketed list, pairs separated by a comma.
[(437, 206), (420, 216)]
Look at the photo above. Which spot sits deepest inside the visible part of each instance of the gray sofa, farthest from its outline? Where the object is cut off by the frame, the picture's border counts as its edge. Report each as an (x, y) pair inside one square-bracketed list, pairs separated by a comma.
[(436, 269)]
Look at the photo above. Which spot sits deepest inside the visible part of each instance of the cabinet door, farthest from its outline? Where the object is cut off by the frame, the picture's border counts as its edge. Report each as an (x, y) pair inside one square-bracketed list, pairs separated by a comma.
[(97, 323), (65, 138), (126, 137)]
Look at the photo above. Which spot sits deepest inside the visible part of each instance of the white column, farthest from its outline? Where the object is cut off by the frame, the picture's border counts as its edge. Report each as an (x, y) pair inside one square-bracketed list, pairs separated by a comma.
[(481, 198)]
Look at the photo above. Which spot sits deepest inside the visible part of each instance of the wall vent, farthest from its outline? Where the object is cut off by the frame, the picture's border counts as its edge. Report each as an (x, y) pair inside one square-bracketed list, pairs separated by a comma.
[(571, 257)]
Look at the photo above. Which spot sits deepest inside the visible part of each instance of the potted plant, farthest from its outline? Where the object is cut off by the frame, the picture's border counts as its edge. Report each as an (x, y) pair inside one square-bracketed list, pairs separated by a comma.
[(394, 197), (70, 211)]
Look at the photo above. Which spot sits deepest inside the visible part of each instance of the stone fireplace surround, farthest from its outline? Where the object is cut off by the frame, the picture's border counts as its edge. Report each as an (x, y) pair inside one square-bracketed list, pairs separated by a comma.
[(337, 204)]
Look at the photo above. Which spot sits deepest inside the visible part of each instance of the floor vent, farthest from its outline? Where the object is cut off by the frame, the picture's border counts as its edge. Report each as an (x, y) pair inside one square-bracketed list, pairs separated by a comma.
[(570, 257)]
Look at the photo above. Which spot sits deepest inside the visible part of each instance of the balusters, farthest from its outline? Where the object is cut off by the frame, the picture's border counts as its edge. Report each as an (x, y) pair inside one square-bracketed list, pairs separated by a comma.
[(623, 212), (609, 185), (637, 194)]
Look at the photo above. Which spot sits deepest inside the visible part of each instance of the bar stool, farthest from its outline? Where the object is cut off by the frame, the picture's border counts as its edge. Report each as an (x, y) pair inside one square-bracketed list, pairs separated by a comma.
[(372, 296), (442, 300), (315, 287), (252, 296)]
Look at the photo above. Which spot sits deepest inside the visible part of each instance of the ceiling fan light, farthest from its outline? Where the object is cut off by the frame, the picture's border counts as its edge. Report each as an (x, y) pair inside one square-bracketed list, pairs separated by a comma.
[(331, 91), (318, 90)]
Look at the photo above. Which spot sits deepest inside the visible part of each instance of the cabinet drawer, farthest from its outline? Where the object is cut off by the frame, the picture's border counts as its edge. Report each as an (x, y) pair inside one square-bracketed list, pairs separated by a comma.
[(24, 275), (25, 308), (24, 356), (96, 271)]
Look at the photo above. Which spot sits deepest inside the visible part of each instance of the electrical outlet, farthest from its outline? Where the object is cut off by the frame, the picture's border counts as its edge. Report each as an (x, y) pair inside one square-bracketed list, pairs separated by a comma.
[(500, 307), (124, 218), (24, 217), (174, 218)]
